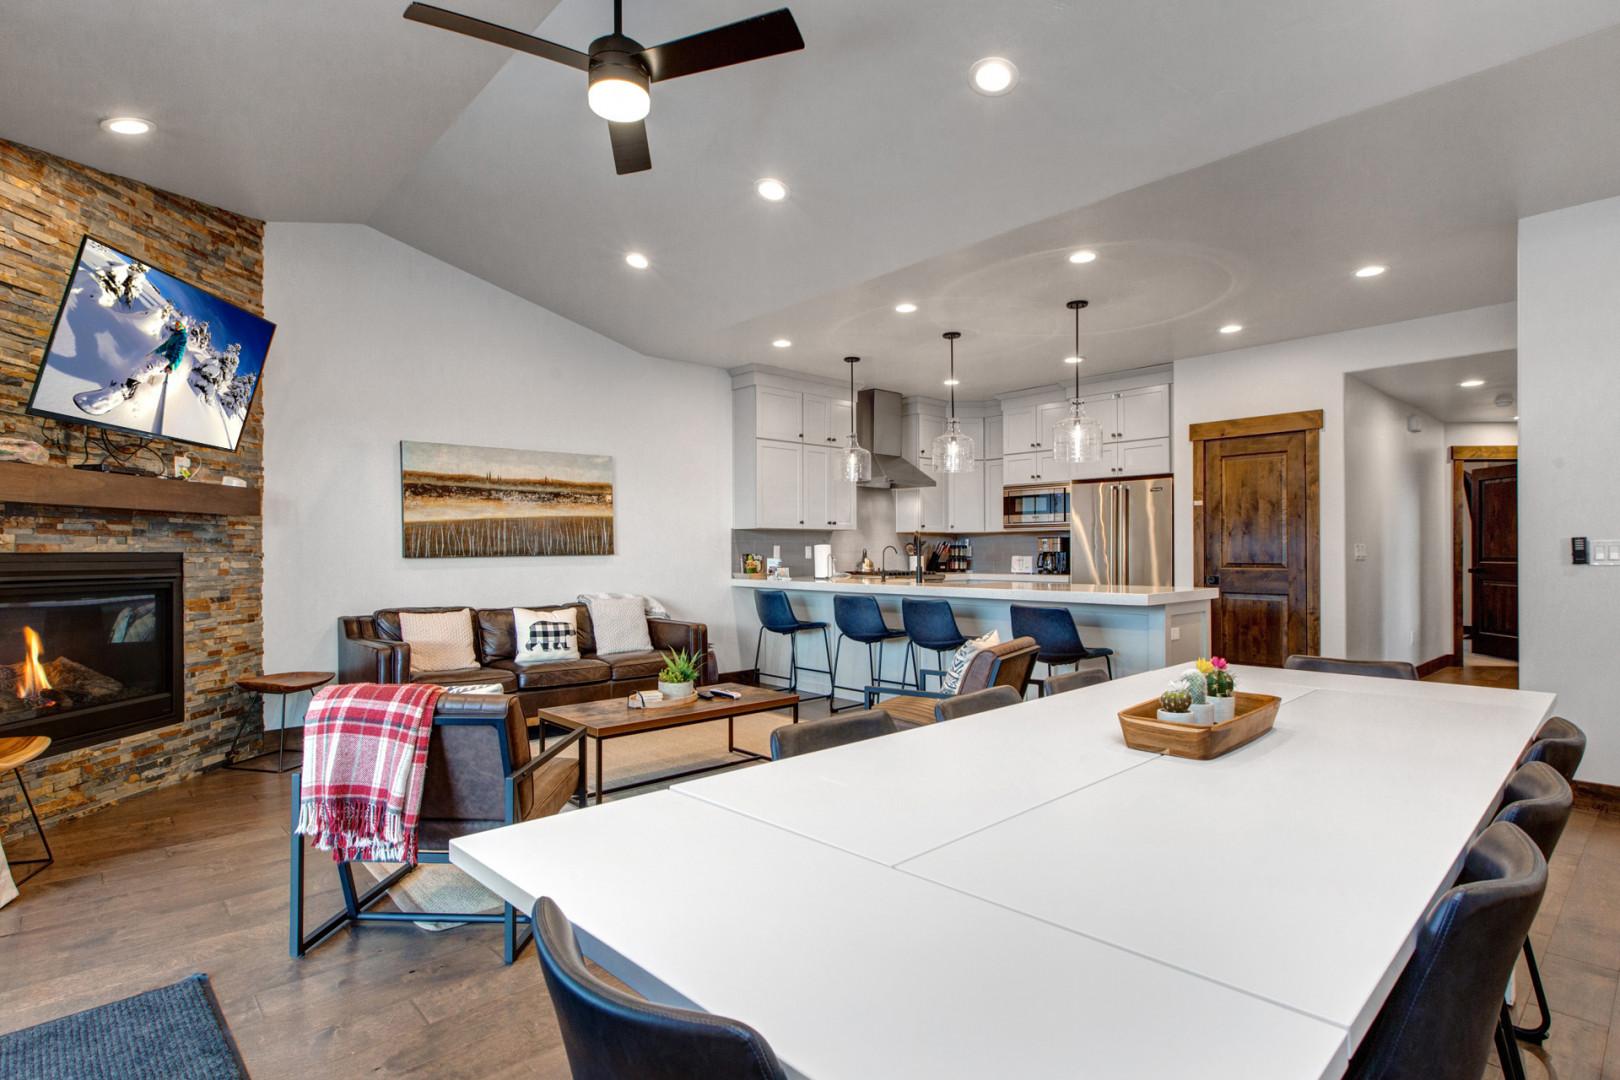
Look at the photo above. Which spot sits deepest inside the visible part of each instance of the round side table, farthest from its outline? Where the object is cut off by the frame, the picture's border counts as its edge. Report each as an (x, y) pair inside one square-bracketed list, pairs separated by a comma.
[(15, 752), (282, 684)]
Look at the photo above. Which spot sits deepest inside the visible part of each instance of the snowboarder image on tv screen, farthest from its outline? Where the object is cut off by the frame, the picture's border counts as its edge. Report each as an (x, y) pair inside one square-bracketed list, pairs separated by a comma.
[(152, 371)]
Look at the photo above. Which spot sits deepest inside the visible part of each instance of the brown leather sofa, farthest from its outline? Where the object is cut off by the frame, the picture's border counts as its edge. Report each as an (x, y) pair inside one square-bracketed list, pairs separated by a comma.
[(370, 649)]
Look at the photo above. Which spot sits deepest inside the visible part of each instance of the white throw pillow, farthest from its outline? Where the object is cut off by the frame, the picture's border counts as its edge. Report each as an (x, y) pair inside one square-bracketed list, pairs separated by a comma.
[(964, 657), (620, 623), (545, 635), (439, 640), (655, 610)]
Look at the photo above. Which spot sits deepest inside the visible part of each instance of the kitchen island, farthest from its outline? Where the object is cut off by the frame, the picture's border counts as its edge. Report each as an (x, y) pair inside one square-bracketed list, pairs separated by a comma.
[(1147, 627)]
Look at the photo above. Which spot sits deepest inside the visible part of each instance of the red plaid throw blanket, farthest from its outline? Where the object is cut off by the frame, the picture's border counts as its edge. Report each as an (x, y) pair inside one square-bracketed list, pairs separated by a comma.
[(365, 754)]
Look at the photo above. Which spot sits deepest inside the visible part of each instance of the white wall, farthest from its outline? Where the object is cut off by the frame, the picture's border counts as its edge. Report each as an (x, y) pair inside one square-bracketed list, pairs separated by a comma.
[(1397, 504), (1309, 374), (1569, 384), (377, 342), (1482, 435)]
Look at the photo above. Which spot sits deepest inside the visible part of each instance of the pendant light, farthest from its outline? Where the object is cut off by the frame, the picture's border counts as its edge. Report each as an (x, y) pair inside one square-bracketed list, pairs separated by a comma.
[(953, 450), (1079, 437), (856, 465)]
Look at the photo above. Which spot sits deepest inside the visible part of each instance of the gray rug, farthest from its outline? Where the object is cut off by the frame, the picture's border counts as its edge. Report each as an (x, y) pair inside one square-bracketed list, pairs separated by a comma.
[(171, 1033)]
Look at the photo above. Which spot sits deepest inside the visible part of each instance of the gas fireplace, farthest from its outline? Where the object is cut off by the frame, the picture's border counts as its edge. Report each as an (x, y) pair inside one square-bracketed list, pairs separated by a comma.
[(90, 645)]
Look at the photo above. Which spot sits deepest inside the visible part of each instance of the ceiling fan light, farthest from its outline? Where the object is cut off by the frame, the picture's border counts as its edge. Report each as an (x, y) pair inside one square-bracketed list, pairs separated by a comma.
[(619, 93)]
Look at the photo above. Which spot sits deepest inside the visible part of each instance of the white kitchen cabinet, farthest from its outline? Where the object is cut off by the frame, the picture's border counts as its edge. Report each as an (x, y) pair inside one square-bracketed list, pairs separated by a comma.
[(840, 493), (779, 414), (1031, 468), (994, 473), (1105, 467), (1144, 413), (778, 485), (922, 509), (1048, 416), (1144, 457), (839, 411), (964, 501), (826, 420), (993, 438), (1020, 429), (1104, 408), (816, 510), (918, 432)]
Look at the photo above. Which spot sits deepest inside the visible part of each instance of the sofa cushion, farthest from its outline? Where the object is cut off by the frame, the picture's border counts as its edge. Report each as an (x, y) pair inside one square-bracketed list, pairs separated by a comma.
[(439, 640), (545, 635), (551, 673), (621, 624), (497, 636), (387, 620), (634, 665), (457, 676)]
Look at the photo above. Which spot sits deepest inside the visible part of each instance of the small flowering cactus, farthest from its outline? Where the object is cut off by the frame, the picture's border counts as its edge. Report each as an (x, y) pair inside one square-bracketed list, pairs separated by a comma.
[(1175, 699), (1218, 681)]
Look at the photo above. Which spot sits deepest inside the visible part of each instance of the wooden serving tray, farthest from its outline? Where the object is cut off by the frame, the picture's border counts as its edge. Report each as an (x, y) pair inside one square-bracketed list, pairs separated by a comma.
[(1145, 731)]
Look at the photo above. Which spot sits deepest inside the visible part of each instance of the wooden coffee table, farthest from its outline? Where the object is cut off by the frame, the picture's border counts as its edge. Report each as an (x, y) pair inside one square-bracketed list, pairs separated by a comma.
[(613, 719)]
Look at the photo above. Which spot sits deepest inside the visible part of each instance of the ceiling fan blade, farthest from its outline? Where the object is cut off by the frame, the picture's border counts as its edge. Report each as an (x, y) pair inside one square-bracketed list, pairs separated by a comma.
[(499, 35), (736, 43), (630, 150)]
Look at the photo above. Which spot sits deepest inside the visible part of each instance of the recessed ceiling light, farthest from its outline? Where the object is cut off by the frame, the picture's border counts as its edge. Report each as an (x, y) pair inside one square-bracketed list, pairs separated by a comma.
[(1469, 384), (953, 382), (1371, 271), (1232, 328), (993, 76), (127, 125), (1074, 359), (1515, 418), (1084, 255), (782, 343), (771, 189), (637, 260), (906, 308)]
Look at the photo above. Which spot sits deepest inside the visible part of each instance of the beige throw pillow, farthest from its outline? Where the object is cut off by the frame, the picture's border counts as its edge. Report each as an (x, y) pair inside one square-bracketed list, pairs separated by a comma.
[(545, 635), (439, 640), (620, 624)]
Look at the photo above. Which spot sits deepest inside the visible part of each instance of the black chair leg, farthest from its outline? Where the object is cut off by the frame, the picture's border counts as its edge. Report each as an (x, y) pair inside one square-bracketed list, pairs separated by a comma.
[(1507, 1048), (39, 865), (1537, 1034)]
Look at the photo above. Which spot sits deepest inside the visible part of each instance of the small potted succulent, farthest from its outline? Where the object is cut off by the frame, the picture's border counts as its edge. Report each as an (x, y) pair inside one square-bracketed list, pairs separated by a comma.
[(679, 677), (1174, 703), (1200, 711), (1219, 686)]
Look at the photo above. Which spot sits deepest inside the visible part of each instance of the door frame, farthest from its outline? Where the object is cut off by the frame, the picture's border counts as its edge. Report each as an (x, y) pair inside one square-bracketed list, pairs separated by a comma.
[(1459, 455), (1308, 421)]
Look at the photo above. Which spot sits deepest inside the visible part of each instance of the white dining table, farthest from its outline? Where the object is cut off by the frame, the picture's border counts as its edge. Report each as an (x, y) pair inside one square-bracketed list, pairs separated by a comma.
[(1018, 892)]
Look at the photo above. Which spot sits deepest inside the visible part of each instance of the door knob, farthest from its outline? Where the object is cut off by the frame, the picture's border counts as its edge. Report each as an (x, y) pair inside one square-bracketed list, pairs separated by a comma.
[(1212, 579)]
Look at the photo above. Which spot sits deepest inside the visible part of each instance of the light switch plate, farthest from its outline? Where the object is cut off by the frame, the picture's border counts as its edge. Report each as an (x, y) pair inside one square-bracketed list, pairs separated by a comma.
[(808, 553), (1360, 551), (1606, 552)]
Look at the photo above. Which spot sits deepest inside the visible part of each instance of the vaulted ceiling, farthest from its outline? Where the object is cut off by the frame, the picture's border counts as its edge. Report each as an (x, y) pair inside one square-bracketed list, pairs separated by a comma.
[(1229, 163)]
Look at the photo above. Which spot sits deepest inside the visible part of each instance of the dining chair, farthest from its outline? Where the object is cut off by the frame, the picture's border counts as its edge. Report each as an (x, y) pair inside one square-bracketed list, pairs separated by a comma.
[(1446, 1007), (1008, 664), (1065, 681), (1538, 800), (1054, 630), (979, 701), (1333, 665), (930, 624), (609, 1034), (860, 620), (791, 740), (776, 616), (1561, 744)]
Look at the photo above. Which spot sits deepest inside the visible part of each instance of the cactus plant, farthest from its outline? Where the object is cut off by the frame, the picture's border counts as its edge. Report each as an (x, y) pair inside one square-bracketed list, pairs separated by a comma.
[(1218, 681), (1194, 682), (1175, 699)]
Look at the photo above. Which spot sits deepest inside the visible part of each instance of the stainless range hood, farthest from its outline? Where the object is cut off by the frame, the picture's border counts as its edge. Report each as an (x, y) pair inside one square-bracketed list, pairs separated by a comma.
[(878, 425)]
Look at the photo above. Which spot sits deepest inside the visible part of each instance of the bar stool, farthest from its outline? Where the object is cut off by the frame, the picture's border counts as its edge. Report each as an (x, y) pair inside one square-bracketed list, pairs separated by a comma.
[(776, 615), (1538, 800), (16, 752), (931, 624), (861, 620), (1054, 631), (282, 684)]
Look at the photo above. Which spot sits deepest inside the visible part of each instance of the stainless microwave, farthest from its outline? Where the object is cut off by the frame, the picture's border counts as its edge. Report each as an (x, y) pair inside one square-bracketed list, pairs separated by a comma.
[(1035, 506)]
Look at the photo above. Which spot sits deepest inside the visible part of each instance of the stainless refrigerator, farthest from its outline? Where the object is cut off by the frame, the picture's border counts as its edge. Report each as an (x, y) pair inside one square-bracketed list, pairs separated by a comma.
[(1119, 532)]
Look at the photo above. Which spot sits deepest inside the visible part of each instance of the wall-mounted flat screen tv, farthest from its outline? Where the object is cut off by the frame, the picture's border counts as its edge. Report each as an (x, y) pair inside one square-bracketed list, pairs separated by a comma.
[(138, 350)]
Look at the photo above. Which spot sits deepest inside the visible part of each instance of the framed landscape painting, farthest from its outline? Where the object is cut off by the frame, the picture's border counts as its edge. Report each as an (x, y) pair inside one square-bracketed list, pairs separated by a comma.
[(477, 502)]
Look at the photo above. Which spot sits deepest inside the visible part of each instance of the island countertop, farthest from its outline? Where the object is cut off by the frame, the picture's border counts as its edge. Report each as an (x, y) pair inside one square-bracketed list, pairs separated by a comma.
[(1051, 592)]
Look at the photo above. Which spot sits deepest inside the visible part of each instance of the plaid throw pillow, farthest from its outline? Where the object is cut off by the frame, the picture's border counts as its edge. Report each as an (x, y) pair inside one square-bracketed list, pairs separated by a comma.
[(545, 635)]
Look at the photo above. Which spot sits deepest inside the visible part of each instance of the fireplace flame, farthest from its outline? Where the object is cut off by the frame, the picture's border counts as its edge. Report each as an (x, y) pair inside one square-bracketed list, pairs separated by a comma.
[(34, 682)]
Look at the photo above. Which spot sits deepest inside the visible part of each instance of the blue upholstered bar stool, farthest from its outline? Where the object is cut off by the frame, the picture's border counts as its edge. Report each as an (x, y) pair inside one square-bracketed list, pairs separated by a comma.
[(931, 624), (776, 615), (1054, 631), (860, 619)]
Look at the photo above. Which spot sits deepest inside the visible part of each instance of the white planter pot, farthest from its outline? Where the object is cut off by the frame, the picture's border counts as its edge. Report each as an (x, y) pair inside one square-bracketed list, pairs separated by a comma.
[(1175, 717), (1202, 714), (1225, 708), (675, 691)]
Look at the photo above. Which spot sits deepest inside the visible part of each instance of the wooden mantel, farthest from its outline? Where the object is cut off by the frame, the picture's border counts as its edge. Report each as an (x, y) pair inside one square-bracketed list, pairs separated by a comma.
[(51, 485)]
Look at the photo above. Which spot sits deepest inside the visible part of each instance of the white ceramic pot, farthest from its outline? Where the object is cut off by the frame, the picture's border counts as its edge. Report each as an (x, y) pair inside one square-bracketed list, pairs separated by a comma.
[(675, 691), (1201, 713), (1175, 717), (1225, 708)]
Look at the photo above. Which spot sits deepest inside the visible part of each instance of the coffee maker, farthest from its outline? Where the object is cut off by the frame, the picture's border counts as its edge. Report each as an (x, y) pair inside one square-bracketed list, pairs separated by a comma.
[(1052, 555)]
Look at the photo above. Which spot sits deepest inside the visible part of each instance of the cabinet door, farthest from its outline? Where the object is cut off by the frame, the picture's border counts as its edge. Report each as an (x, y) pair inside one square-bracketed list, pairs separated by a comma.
[(838, 424), (1104, 408), (1105, 467), (1020, 430), (778, 495), (1144, 413), (840, 492), (1049, 415), (965, 501), (816, 510), (993, 438), (1144, 457), (780, 414), (1026, 468), (994, 471), (818, 420), (931, 504), (928, 429)]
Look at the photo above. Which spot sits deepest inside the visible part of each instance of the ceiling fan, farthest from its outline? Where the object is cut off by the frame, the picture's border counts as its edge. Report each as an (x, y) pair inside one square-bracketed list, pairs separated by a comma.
[(621, 71)]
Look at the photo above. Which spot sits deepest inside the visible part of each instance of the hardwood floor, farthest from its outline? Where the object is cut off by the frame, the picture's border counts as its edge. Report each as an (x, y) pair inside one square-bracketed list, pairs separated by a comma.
[(1501, 676), (193, 878)]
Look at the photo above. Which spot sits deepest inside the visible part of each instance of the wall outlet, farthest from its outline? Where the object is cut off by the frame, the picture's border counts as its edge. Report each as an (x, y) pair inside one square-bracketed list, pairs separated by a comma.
[(1605, 552), (809, 552), (1175, 633), (1360, 552)]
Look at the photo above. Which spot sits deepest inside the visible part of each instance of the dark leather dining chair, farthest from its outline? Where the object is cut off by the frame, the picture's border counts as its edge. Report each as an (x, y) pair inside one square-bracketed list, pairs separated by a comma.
[(1560, 744), (1333, 665), (1438, 1021), (1065, 681), (986, 700), (791, 740), (1538, 800), (612, 1035), (1007, 664), (859, 619)]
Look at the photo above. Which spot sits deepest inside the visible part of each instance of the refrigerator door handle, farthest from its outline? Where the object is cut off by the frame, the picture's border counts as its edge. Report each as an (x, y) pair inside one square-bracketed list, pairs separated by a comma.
[(1125, 531)]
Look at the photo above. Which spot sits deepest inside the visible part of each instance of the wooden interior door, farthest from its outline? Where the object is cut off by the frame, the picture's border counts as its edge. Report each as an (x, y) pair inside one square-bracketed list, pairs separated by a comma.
[(1494, 570), (1256, 545)]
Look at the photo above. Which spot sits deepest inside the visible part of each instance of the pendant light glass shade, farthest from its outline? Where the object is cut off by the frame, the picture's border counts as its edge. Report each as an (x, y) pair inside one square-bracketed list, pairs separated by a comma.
[(952, 451), (1078, 438), (855, 461)]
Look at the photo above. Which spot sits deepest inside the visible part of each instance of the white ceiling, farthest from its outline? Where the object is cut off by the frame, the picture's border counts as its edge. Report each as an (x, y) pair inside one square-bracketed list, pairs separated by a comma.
[(1230, 162), (1434, 386)]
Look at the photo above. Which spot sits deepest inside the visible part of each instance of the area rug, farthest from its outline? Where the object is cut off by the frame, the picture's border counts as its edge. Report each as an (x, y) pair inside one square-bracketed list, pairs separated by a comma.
[(171, 1033)]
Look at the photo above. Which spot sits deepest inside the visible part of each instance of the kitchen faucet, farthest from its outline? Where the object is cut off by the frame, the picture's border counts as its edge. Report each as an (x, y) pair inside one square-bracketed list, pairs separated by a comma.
[(883, 562)]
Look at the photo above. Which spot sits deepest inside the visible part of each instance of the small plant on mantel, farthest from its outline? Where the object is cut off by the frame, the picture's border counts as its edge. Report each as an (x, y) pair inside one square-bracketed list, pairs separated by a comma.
[(680, 674)]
